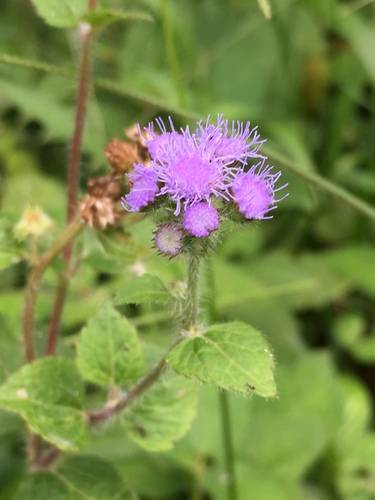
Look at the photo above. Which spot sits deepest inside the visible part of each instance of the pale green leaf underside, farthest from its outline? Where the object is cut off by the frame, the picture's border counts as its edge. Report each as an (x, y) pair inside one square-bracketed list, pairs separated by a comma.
[(109, 351), (61, 13), (164, 414), (233, 356), (48, 394), (77, 478), (146, 288)]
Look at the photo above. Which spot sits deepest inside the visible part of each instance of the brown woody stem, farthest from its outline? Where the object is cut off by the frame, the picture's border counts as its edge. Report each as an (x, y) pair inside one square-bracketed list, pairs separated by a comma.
[(79, 123), (114, 407), (33, 285)]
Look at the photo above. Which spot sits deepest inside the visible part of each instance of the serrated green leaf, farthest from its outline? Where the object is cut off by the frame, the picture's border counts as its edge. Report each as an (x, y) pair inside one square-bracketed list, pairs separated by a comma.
[(61, 13), (77, 478), (234, 356), (146, 288), (100, 17), (164, 414), (109, 351), (48, 394)]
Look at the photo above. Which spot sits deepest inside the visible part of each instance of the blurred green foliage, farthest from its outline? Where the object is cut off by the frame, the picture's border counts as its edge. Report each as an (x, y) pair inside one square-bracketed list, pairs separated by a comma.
[(306, 278)]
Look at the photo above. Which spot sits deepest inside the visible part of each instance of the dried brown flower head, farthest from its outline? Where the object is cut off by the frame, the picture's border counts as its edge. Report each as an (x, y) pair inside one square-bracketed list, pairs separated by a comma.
[(121, 156), (105, 186), (99, 206)]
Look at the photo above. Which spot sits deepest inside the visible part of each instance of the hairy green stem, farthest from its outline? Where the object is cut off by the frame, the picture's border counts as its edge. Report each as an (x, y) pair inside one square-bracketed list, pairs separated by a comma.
[(191, 308), (228, 445)]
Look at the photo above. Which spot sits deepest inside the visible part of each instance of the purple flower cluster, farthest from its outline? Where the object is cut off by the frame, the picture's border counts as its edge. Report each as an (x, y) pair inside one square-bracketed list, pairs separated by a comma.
[(194, 170)]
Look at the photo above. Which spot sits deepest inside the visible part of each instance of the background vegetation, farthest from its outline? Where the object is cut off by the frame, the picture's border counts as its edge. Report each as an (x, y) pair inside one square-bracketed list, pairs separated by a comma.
[(306, 278)]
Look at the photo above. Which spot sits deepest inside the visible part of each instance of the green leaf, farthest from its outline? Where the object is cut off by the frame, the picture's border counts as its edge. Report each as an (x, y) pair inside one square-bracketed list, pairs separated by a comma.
[(357, 415), (288, 435), (9, 249), (94, 477), (164, 414), (7, 259), (77, 477), (109, 351), (233, 355), (41, 486), (61, 13), (361, 36), (100, 17), (356, 468), (355, 263), (48, 394), (146, 288), (350, 332)]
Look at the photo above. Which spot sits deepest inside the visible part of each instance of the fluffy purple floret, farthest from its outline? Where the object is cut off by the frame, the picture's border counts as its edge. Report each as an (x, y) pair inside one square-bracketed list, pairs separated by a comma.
[(143, 190), (200, 219), (254, 191), (232, 143), (187, 170), (168, 239)]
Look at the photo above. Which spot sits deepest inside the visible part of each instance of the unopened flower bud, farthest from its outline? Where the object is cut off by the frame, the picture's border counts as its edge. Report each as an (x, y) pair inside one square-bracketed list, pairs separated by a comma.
[(169, 239)]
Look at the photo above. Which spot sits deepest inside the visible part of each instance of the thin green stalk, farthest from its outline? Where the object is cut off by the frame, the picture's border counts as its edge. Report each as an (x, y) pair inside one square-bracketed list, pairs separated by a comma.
[(322, 184), (190, 314), (174, 63), (228, 446)]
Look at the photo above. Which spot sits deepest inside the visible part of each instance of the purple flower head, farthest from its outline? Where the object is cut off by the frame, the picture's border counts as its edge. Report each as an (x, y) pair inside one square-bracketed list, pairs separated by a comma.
[(200, 219), (192, 168), (144, 188), (168, 239), (254, 191)]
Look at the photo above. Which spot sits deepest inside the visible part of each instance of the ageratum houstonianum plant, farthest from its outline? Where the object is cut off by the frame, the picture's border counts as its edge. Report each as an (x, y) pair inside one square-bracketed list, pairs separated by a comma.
[(197, 185)]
